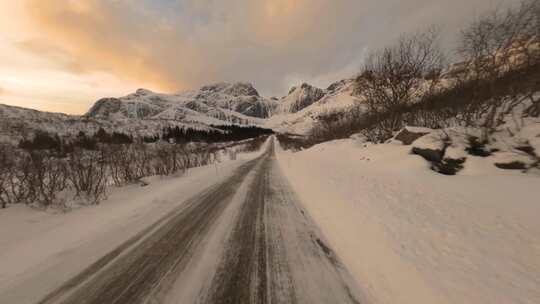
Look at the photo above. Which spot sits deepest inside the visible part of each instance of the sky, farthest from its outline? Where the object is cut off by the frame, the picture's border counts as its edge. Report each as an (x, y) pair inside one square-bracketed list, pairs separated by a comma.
[(63, 55)]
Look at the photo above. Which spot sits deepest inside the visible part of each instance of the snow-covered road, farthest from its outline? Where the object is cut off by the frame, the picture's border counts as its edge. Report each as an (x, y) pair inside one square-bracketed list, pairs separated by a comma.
[(364, 224), (246, 239)]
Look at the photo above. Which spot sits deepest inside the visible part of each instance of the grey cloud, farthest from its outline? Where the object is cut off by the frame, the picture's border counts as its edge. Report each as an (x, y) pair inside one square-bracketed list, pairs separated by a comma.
[(271, 43)]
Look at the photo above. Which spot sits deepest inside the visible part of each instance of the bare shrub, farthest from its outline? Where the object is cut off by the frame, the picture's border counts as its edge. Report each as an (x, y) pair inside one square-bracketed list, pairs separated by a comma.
[(16, 177), (501, 40), (7, 167), (162, 163), (337, 125), (203, 158), (142, 157), (87, 175), (499, 43), (401, 84), (232, 154), (121, 163), (42, 176), (396, 76), (49, 177), (179, 158), (169, 159)]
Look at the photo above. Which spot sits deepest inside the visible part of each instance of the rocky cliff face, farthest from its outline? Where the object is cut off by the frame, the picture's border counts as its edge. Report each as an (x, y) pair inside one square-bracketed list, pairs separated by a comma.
[(239, 97), (222, 98), (300, 98)]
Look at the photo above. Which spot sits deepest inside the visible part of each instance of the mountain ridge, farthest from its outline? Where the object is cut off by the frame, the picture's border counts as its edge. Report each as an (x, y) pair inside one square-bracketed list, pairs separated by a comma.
[(145, 112)]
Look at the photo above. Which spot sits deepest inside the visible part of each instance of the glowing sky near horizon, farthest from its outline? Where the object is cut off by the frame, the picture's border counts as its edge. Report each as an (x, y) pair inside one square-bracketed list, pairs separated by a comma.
[(62, 55)]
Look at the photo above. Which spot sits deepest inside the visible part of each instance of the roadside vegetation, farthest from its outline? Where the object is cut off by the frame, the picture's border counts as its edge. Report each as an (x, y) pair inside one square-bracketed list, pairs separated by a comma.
[(49, 171), (410, 84)]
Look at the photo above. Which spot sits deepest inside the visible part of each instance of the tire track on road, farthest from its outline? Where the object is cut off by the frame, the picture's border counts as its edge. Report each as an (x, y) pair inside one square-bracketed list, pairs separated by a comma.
[(128, 277), (276, 253), (273, 251)]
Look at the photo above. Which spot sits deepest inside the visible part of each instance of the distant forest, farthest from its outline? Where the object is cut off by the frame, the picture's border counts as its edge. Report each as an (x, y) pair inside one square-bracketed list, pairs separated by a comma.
[(47, 141)]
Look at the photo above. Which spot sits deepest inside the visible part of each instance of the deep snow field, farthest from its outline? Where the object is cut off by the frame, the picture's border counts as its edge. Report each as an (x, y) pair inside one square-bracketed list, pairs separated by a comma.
[(411, 235)]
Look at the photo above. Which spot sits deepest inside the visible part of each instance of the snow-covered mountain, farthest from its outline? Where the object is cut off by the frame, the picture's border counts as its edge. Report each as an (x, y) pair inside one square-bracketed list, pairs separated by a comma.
[(300, 98), (235, 103), (146, 113), (17, 123), (299, 111)]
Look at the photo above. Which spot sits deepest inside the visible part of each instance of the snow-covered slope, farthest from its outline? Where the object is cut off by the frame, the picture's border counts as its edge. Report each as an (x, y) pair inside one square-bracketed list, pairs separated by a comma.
[(300, 110), (17, 123), (300, 98), (235, 103), (410, 235), (146, 113)]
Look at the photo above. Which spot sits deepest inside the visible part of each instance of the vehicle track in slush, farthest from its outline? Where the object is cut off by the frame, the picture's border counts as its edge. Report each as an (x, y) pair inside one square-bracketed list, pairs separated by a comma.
[(272, 253)]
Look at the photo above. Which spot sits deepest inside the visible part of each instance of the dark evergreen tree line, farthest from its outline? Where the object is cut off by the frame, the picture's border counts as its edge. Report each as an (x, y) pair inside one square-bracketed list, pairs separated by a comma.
[(222, 134), (53, 142), (43, 140)]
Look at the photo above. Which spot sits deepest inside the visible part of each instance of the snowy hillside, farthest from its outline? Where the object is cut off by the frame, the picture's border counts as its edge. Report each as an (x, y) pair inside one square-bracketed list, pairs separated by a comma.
[(17, 123), (299, 111), (300, 98), (146, 113), (235, 103), (411, 235)]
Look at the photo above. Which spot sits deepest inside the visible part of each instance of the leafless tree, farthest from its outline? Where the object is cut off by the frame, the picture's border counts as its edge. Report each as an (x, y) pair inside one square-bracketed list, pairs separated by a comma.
[(495, 41), (334, 125), (496, 44), (399, 75)]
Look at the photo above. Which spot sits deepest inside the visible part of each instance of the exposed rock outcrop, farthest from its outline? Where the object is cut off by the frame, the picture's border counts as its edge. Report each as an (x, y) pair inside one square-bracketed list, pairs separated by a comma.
[(409, 134), (300, 98)]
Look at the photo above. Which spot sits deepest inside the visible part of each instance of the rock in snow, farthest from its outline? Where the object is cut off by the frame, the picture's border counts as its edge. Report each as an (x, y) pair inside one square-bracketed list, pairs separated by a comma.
[(409, 134)]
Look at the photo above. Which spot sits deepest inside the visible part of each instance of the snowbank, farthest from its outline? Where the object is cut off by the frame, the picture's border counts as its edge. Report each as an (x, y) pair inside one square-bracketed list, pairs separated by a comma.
[(411, 235)]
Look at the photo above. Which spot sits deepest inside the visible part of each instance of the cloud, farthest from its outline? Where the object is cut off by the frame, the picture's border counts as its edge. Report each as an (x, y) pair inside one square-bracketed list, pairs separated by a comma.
[(109, 36), (52, 53), (174, 45)]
